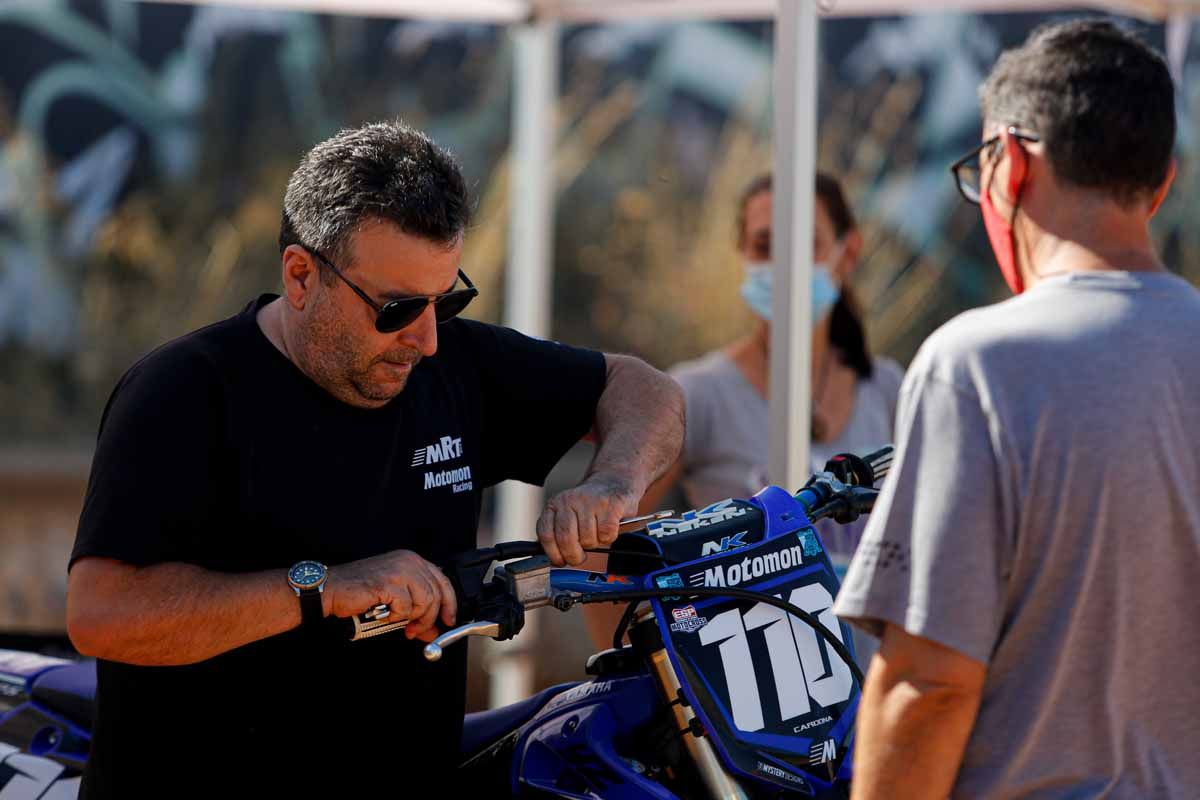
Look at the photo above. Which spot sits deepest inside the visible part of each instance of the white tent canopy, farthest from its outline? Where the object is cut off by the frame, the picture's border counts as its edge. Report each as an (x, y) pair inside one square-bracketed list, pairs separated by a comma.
[(577, 11), (527, 295)]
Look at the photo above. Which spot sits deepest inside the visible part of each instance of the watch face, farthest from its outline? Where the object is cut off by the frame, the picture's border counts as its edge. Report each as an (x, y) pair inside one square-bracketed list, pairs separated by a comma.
[(307, 574)]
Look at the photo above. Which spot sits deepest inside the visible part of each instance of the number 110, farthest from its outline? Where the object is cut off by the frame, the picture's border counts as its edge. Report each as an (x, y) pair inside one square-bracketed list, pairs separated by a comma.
[(795, 651)]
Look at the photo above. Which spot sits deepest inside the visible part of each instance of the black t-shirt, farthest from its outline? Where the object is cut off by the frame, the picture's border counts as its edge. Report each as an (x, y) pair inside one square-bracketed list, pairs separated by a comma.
[(216, 450)]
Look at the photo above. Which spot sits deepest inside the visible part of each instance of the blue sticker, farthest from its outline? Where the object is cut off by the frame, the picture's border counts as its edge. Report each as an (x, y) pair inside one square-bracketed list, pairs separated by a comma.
[(812, 545), (672, 581)]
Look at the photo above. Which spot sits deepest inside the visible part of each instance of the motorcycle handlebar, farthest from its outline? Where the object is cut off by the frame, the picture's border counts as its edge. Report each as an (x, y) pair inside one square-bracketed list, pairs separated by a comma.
[(843, 491), (865, 471), (375, 622), (880, 463)]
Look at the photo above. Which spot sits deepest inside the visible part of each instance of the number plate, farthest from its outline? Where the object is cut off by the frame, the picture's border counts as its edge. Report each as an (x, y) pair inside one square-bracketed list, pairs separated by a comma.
[(777, 699)]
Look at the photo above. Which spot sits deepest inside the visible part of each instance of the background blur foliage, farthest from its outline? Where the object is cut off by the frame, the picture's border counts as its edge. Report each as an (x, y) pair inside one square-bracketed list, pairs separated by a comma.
[(144, 150)]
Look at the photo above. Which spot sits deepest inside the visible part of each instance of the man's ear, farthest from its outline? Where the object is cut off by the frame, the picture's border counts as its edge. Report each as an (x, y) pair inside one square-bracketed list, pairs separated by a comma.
[(1160, 193), (300, 276), (1018, 166)]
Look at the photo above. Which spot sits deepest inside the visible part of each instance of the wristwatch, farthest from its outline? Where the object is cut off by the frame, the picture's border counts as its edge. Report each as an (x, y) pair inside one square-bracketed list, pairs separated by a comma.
[(307, 579)]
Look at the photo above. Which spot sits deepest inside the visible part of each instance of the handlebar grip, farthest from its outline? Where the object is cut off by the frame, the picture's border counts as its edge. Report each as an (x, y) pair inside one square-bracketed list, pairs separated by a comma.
[(880, 463), (374, 623), (865, 471)]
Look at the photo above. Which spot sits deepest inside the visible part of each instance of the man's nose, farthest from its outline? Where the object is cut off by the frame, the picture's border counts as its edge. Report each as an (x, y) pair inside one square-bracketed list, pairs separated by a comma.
[(421, 333)]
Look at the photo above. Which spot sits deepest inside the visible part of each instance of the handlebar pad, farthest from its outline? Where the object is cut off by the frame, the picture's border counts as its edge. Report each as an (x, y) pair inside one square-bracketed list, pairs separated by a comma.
[(714, 529)]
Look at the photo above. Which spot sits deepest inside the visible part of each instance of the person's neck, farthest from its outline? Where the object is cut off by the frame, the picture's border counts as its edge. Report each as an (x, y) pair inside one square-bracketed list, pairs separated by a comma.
[(752, 353), (270, 322), (1086, 236), (273, 322)]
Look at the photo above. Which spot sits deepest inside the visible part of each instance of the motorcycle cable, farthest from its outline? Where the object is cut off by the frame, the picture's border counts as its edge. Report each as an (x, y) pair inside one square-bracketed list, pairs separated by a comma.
[(564, 602), (623, 625), (631, 607)]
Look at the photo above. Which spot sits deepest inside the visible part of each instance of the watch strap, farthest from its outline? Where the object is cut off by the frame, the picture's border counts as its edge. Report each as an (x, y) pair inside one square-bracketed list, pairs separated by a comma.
[(311, 612)]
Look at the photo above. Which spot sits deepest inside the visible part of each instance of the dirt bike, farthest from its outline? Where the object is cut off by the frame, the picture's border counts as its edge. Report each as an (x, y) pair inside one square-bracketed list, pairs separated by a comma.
[(737, 682)]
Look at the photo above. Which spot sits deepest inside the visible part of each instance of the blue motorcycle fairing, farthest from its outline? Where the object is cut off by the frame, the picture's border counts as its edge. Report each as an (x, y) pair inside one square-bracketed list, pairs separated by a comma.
[(43, 715), (69, 690), (803, 749), (569, 749), (20, 668), (483, 728)]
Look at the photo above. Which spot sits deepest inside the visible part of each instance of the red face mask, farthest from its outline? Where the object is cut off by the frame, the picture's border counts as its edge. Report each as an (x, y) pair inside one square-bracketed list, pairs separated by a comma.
[(1000, 232)]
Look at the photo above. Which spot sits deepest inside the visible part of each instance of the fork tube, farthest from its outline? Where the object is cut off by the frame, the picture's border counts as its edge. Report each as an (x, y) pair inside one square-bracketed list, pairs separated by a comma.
[(720, 785)]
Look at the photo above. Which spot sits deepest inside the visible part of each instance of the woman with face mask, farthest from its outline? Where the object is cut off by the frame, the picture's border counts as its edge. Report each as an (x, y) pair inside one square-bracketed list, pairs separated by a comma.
[(727, 437), (853, 394)]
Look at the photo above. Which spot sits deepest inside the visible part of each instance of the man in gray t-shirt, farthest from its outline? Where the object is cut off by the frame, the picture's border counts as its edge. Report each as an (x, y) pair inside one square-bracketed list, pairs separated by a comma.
[(1033, 563)]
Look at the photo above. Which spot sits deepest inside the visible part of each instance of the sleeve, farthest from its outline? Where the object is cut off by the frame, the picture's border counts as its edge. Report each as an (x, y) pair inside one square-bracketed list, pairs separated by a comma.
[(538, 399), (152, 485), (697, 433), (891, 377), (932, 560)]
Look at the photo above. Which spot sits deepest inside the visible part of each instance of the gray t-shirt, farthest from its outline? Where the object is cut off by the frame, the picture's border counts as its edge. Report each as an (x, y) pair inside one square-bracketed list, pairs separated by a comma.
[(1042, 517), (727, 438)]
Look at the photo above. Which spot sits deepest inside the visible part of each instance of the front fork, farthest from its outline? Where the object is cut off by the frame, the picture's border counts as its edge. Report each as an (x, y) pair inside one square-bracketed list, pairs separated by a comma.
[(718, 782)]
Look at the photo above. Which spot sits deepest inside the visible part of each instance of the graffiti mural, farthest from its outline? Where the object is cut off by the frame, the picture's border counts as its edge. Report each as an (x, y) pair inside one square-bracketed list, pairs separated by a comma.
[(144, 149), (143, 154)]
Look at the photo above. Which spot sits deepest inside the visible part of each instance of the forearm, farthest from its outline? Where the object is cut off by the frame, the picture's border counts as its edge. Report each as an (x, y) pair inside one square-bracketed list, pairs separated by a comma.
[(652, 499), (639, 424), (172, 614), (910, 735)]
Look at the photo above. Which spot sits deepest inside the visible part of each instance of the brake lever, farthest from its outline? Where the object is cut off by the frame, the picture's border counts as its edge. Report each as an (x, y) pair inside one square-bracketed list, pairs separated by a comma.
[(484, 627)]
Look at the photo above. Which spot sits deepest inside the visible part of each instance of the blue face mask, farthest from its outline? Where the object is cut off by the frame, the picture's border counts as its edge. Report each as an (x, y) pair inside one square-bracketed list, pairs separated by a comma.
[(757, 289)]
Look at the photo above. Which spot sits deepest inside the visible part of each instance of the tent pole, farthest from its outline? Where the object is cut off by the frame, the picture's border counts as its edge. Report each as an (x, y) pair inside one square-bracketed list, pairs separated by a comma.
[(792, 236), (527, 295)]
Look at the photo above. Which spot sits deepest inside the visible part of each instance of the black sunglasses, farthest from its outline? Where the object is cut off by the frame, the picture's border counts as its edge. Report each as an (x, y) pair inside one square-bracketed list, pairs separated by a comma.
[(403, 311), (968, 171)]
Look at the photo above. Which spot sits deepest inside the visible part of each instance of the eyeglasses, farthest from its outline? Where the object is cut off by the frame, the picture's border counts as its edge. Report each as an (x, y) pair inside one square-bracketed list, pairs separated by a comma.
[(403, 311), (967, 170)]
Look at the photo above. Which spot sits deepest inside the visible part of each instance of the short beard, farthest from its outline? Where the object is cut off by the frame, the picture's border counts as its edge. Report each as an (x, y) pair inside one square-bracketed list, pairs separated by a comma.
[(369, 389), (331, 356)]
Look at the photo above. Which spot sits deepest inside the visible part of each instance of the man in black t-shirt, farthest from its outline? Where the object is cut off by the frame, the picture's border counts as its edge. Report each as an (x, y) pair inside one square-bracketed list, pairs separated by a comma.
[(351, 423)]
